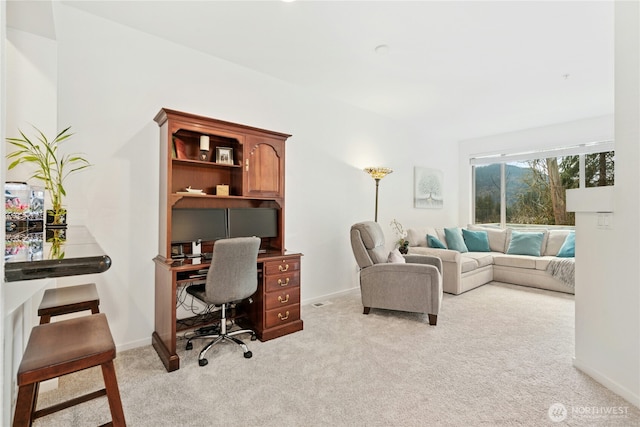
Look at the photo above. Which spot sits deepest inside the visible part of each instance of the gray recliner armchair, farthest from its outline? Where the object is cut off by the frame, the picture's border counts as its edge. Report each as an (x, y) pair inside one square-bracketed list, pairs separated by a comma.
[(414, 286)]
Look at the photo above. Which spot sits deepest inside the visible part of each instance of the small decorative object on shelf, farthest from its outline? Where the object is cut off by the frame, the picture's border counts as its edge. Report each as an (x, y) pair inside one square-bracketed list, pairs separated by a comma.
[(224, 155), (401, 234), (52, 168), (24, 207), (222, 190), (204, 147)]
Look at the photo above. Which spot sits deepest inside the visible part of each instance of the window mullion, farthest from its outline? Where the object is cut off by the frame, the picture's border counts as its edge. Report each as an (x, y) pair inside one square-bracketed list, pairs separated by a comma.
[(503, 195)]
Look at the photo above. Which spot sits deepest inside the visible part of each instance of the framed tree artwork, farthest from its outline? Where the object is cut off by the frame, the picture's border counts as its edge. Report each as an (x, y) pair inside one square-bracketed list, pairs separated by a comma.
[(427, 188)]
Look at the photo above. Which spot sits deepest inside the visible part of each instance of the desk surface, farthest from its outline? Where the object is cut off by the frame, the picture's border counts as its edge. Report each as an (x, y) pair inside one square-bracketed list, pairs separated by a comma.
[(69, 252)]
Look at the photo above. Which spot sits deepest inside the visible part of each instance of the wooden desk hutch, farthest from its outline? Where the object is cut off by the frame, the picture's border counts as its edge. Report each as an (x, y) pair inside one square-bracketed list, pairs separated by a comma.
[(255, 178)]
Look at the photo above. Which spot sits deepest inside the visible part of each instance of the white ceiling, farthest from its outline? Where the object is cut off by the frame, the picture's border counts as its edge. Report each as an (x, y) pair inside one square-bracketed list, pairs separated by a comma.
[(464, 69)]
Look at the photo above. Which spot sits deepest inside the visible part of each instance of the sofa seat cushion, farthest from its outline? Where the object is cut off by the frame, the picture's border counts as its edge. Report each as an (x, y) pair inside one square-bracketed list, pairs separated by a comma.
[(468, 264), (543, 262), (482, 258), (519, 261)]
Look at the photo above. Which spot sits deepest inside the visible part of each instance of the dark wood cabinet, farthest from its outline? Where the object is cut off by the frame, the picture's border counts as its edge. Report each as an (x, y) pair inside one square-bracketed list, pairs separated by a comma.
[(254, 174), (250, 164), (275, 310)]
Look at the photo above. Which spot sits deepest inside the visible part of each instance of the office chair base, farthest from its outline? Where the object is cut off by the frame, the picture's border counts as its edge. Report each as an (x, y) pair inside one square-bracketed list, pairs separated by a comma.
[(202, 361)]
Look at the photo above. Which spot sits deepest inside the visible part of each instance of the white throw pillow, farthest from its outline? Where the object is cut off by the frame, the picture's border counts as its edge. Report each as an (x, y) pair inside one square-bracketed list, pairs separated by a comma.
[(396, 257)]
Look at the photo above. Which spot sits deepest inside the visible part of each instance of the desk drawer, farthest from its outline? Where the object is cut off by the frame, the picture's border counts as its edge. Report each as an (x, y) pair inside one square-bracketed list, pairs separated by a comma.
[(282, 281), (282, 298), (282, 316), (283, 266)]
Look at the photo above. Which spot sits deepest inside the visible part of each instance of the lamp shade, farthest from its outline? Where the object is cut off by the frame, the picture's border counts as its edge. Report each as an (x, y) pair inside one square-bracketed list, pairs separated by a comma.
[(378, 172)]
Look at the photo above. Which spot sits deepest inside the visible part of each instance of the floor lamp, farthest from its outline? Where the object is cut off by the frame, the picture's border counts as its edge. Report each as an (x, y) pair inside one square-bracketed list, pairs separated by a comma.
[(377, 174)]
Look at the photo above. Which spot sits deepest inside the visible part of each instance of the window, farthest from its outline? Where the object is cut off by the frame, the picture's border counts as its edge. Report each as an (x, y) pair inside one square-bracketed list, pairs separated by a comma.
[(528, 189)]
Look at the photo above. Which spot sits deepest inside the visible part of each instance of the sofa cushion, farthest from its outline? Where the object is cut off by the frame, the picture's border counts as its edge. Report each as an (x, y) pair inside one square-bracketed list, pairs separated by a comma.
[(395, 257), (555, 240), (434, 242), (497, 237), (568, 248), (528, 230), (418, 236), (468, 264), (453, 237), (519, 261), (543, 262), (482, 258), (476, 240), (525, 243)]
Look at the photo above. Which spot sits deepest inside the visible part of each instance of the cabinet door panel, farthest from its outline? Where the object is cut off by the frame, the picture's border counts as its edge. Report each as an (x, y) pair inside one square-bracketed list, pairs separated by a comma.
[(264, 169)]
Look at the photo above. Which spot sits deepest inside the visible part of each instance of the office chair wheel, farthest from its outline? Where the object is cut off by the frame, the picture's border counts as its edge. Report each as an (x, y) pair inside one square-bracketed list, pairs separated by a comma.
[(203, 362), (254, 337), (189, 346), (248, 355)]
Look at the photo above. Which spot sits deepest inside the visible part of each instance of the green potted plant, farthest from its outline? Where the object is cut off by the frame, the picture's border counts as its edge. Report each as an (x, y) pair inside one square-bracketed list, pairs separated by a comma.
[(402, 243), (52, 167)]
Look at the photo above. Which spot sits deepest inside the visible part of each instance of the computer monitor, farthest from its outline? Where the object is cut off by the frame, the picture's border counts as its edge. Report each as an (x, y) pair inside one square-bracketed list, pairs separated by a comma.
[(191, 225), (247, 222)]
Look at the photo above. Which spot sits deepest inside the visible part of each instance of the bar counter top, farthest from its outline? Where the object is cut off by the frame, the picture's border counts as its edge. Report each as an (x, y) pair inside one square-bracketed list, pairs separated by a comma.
[(53, 253)]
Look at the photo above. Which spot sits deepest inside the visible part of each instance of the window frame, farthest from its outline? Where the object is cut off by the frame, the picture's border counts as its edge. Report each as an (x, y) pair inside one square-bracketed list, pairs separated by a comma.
[(503, 158)]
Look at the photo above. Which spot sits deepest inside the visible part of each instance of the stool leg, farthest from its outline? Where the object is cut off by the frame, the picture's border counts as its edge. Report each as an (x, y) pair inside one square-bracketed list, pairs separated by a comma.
[(113, 394), (25, 405)]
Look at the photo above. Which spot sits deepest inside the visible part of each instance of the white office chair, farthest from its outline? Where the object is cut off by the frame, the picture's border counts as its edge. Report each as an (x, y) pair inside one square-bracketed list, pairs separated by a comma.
[(232, 277)]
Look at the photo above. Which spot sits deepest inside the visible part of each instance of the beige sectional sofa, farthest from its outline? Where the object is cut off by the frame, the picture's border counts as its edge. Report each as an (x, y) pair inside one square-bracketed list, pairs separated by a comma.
[(463, 271)]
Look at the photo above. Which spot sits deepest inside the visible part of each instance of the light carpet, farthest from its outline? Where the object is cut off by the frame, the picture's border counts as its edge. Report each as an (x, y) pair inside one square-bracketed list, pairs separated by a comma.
[(500, 355)]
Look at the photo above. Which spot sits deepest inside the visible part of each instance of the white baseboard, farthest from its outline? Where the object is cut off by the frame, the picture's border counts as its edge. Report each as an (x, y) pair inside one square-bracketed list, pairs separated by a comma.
[(329, 296), (612, 385), (134, 344)]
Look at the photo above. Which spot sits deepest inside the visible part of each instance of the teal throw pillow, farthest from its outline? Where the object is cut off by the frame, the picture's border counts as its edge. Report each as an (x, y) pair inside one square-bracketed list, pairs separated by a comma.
[(476, 241), (434, 242), (568, 248), (525, 243), (454, 239)]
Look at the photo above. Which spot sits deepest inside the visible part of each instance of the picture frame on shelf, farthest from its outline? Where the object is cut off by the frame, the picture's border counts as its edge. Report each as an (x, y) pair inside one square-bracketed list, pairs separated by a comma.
[(224, 155)]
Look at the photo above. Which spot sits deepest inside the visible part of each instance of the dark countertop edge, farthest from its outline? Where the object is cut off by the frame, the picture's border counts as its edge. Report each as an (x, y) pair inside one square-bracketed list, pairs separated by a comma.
[(27, 270)]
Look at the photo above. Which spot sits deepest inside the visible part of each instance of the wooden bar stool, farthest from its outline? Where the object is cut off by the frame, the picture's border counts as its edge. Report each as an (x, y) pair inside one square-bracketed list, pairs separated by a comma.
[(60, 348), (70, 299)]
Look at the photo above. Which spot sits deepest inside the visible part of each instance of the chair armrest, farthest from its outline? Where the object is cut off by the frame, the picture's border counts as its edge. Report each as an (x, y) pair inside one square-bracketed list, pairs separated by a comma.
[(400, 268), (425, 259), (446, 255)]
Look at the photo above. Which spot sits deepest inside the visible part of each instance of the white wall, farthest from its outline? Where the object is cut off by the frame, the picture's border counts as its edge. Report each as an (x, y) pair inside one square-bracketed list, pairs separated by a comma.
[(608, 273), (113, 80)]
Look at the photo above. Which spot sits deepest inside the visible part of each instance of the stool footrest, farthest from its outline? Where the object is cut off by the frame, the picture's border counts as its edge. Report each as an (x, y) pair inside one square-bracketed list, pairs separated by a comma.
[(64, 405)]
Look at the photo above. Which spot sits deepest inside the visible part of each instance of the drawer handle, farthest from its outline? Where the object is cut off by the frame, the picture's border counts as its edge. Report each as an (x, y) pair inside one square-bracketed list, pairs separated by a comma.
[(283, 301), (285, 268), (285, 317), (285, 283)]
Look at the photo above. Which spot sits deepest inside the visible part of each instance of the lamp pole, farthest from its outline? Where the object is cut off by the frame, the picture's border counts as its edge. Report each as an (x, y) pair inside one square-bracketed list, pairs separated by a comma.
[(377, 184)]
